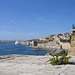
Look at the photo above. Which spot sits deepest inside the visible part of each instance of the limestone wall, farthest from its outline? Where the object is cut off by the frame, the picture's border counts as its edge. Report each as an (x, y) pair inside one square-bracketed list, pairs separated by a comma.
[(65, 45), (72, 50), (49, 45)]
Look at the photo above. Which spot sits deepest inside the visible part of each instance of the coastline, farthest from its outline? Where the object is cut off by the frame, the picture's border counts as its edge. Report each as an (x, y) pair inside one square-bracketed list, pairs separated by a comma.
[(32, 65)]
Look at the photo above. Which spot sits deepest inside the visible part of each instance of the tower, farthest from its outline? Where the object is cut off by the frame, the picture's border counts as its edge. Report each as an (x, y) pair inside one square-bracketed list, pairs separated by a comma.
[(72, 44)]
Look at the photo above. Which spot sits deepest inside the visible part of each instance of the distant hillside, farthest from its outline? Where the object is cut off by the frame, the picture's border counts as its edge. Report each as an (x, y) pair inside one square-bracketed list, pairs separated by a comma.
[(7, 41)]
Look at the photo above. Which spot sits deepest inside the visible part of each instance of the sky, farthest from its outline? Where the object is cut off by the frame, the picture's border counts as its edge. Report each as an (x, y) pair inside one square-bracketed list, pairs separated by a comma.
[(34, 19)]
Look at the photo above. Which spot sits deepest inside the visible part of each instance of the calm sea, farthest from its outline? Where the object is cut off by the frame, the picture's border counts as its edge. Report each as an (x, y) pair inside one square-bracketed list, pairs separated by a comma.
[(6, 49)]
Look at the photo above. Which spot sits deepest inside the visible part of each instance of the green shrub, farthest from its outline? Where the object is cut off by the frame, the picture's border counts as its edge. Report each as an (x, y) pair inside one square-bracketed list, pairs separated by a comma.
[(70, 39), (58, 61), (64, 52), (62, 40)]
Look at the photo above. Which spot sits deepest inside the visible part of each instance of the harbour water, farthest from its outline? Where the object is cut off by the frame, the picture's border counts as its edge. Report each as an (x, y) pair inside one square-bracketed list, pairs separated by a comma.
[(7, 49)]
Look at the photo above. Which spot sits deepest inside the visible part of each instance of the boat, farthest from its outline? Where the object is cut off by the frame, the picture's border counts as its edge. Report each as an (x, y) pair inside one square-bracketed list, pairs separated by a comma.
[(16, 42)]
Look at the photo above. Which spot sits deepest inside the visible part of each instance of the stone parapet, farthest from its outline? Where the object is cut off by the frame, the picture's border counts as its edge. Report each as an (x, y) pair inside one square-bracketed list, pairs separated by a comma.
[(72, 44)]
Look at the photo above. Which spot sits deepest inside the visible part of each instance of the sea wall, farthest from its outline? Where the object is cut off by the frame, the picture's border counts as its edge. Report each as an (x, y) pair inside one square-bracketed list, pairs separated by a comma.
[(49, 45), (65, 45)]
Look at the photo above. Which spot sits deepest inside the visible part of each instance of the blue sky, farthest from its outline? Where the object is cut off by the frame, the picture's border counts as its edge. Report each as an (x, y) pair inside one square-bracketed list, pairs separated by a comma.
[(28, 19)]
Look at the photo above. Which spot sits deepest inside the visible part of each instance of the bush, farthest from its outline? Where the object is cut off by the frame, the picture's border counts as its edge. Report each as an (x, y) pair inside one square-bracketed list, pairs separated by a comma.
[(59, 61), (70, 39), (56, 60), (62, 40), (64, 52)]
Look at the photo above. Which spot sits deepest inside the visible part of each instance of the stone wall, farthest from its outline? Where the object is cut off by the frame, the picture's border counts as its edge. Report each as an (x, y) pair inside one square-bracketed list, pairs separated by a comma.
[(72, 44), (65, 45), (52, 45)]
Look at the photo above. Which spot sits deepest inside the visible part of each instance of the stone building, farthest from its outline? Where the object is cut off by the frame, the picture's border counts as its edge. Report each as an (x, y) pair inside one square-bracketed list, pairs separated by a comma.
[(33, 43), (72, 44)]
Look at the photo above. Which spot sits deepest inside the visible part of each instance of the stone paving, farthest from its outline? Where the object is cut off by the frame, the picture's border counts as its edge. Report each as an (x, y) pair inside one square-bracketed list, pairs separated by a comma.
[(32, 65)]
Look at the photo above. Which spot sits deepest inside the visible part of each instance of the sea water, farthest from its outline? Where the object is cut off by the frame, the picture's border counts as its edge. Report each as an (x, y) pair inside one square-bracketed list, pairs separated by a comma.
[(7, 49)]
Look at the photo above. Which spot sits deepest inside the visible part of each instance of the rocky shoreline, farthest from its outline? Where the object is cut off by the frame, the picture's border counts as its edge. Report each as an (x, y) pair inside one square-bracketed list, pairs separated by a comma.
[(51, 42), (32, 65)]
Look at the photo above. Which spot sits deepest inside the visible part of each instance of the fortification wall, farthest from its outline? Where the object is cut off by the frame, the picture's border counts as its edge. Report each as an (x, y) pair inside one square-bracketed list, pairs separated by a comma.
[(72, 50), (65, 45)]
